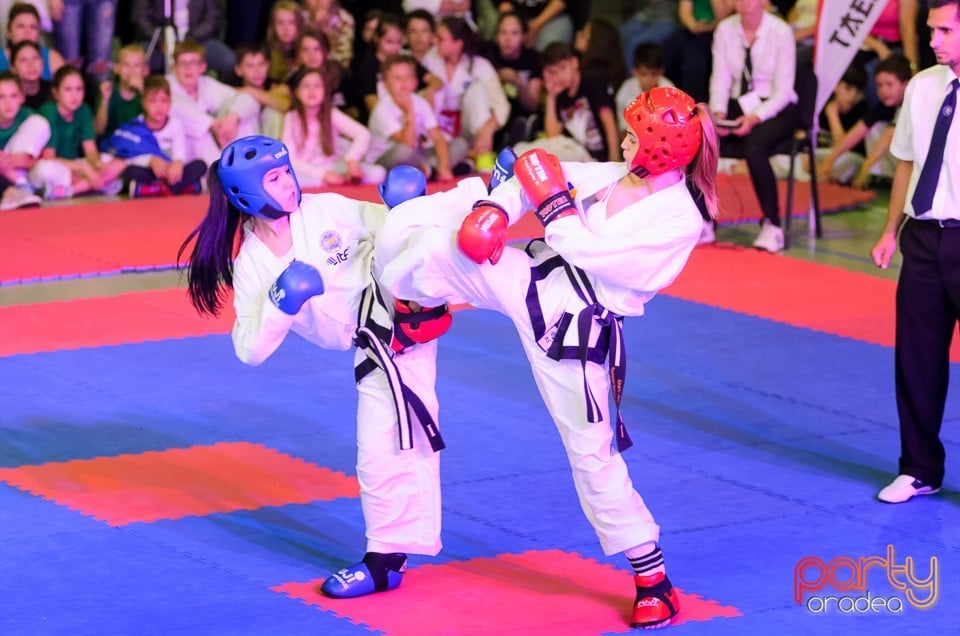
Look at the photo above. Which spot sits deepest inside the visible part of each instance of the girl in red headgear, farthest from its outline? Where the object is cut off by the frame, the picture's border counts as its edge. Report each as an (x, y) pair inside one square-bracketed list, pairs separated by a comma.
[(615, 234)]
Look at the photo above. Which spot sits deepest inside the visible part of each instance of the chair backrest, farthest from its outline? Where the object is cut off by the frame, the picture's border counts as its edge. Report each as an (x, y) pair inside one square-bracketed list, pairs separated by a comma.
[(805, 84)]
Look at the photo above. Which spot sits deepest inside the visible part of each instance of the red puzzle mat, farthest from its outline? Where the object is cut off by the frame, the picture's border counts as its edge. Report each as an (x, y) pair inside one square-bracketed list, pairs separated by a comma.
[(99, 239)]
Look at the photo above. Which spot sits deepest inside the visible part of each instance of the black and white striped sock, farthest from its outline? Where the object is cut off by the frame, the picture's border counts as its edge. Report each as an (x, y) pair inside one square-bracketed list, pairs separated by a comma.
[(646, 561)]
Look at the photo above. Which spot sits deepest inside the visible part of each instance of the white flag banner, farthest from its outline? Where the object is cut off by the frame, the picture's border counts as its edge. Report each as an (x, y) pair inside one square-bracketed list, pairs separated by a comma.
[(842, 26)]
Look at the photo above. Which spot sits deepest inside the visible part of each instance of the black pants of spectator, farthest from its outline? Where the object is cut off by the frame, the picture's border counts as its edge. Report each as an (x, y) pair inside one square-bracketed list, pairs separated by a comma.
[(928, 307), (193, 171), (757, 148), (688, 60)]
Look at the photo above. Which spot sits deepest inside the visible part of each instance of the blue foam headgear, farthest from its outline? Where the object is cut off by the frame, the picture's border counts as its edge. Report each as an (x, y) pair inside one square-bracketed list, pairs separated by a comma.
[(241, 168)]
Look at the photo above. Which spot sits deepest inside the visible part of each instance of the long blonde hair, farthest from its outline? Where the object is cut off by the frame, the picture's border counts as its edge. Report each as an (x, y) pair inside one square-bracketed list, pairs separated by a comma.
[(703, 169)]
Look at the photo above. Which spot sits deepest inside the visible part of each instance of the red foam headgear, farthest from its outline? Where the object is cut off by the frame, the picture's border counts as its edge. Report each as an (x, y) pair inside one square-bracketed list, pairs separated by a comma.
[(667, 128)]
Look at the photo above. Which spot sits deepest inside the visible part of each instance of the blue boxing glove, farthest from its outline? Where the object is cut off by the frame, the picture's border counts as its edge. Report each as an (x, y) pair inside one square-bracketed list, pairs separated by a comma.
[(402, 183), (295, 286), (502, 168)]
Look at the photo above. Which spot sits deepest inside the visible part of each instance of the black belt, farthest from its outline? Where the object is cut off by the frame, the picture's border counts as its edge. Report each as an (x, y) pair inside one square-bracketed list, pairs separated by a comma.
[(944, 223)]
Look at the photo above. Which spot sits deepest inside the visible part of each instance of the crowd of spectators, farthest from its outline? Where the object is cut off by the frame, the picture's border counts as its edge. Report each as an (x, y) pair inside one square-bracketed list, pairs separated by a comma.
[(138, 96)]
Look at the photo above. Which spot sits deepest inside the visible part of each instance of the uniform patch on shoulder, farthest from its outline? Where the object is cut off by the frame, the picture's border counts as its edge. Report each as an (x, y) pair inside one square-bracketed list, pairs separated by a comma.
[(330, 241)]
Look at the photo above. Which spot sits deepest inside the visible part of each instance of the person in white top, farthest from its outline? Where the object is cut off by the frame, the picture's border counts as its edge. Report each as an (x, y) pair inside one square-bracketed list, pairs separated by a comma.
[(305, 266), (624, 235), (213, 114), (925, 209), (326, 145), (404, 127), (471, 103), (647, 72), (754, 67)]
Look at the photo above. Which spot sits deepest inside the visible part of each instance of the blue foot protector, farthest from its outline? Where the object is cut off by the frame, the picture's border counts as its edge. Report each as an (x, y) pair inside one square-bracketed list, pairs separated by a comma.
[(376, 573)]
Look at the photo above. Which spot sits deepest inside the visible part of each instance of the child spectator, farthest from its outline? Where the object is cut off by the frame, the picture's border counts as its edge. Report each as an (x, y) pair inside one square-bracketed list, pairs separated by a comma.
[(119, 101), (471, 103), (313, 52), (368, 80), (876, 128), (317, 135), (578, 112), (648, 69), (212, 113), (283, 35), (274, 97), (420, 29), (329, 18), (28, 65), (598, 44), (24, 25), (156, 159), (72, 144), (405, 128), (845, 108), (23, 134), (521, 75), (548, 19)]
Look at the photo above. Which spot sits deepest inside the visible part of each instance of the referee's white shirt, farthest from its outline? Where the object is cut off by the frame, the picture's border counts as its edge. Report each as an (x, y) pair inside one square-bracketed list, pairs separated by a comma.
[(914, 131)]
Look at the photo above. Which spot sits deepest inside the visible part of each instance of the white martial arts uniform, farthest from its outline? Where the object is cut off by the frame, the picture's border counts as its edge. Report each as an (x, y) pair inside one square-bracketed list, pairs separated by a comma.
[(399, 488), (214, 99), (627, 259), (471, 94)]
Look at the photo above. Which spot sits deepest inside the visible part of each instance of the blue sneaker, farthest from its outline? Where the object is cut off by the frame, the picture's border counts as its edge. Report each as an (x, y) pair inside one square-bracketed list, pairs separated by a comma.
[(376, 573)]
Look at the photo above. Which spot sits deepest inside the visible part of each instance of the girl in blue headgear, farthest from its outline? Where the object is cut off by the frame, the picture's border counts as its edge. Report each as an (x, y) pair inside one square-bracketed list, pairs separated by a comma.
[(305, 265)]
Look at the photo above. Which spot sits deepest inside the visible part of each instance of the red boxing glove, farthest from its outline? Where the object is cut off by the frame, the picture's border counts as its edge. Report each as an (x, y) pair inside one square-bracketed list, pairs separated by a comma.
[(483, 234), (543, 182)]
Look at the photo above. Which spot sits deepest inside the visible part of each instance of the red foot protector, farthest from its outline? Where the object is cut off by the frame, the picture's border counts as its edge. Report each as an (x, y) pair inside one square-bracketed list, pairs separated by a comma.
[(176, 483), (537, 592)]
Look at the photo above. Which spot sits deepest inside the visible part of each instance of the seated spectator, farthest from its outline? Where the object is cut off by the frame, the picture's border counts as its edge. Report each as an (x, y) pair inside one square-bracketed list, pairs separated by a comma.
[(754, 69), (212, 113), (274, 97), (471, 103), (326, 146), (72, 145), (653, 23), (688, 52), (420, 29), (875, 128), (802, 18), (578, 120), (442, 9), (313, 52), (548, 21), (329, 18), (155, 147), (23, 24), (283, 36), (521, 75), (119, 101), (27, 63), (598, 44), (895, 31), (197, 20), (88, 27), (23, 135), (368, 80), (647, 73), (404, 126)]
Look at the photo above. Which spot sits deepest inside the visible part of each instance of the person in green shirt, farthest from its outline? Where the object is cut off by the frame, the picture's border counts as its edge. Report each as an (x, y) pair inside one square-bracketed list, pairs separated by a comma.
[(23, 135), (72, 142), (119, 100)]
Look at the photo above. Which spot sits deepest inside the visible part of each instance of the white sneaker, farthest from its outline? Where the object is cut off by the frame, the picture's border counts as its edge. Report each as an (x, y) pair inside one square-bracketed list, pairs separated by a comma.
[(15, 198), (770, 238), (707, 234), (904, 488)]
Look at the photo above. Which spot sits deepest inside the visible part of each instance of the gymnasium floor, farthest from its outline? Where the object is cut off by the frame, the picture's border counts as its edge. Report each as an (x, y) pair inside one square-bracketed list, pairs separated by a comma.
[(152, 484)]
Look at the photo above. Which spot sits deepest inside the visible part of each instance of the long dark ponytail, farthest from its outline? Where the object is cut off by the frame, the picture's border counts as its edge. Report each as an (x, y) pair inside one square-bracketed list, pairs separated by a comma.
[(210, 272)]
